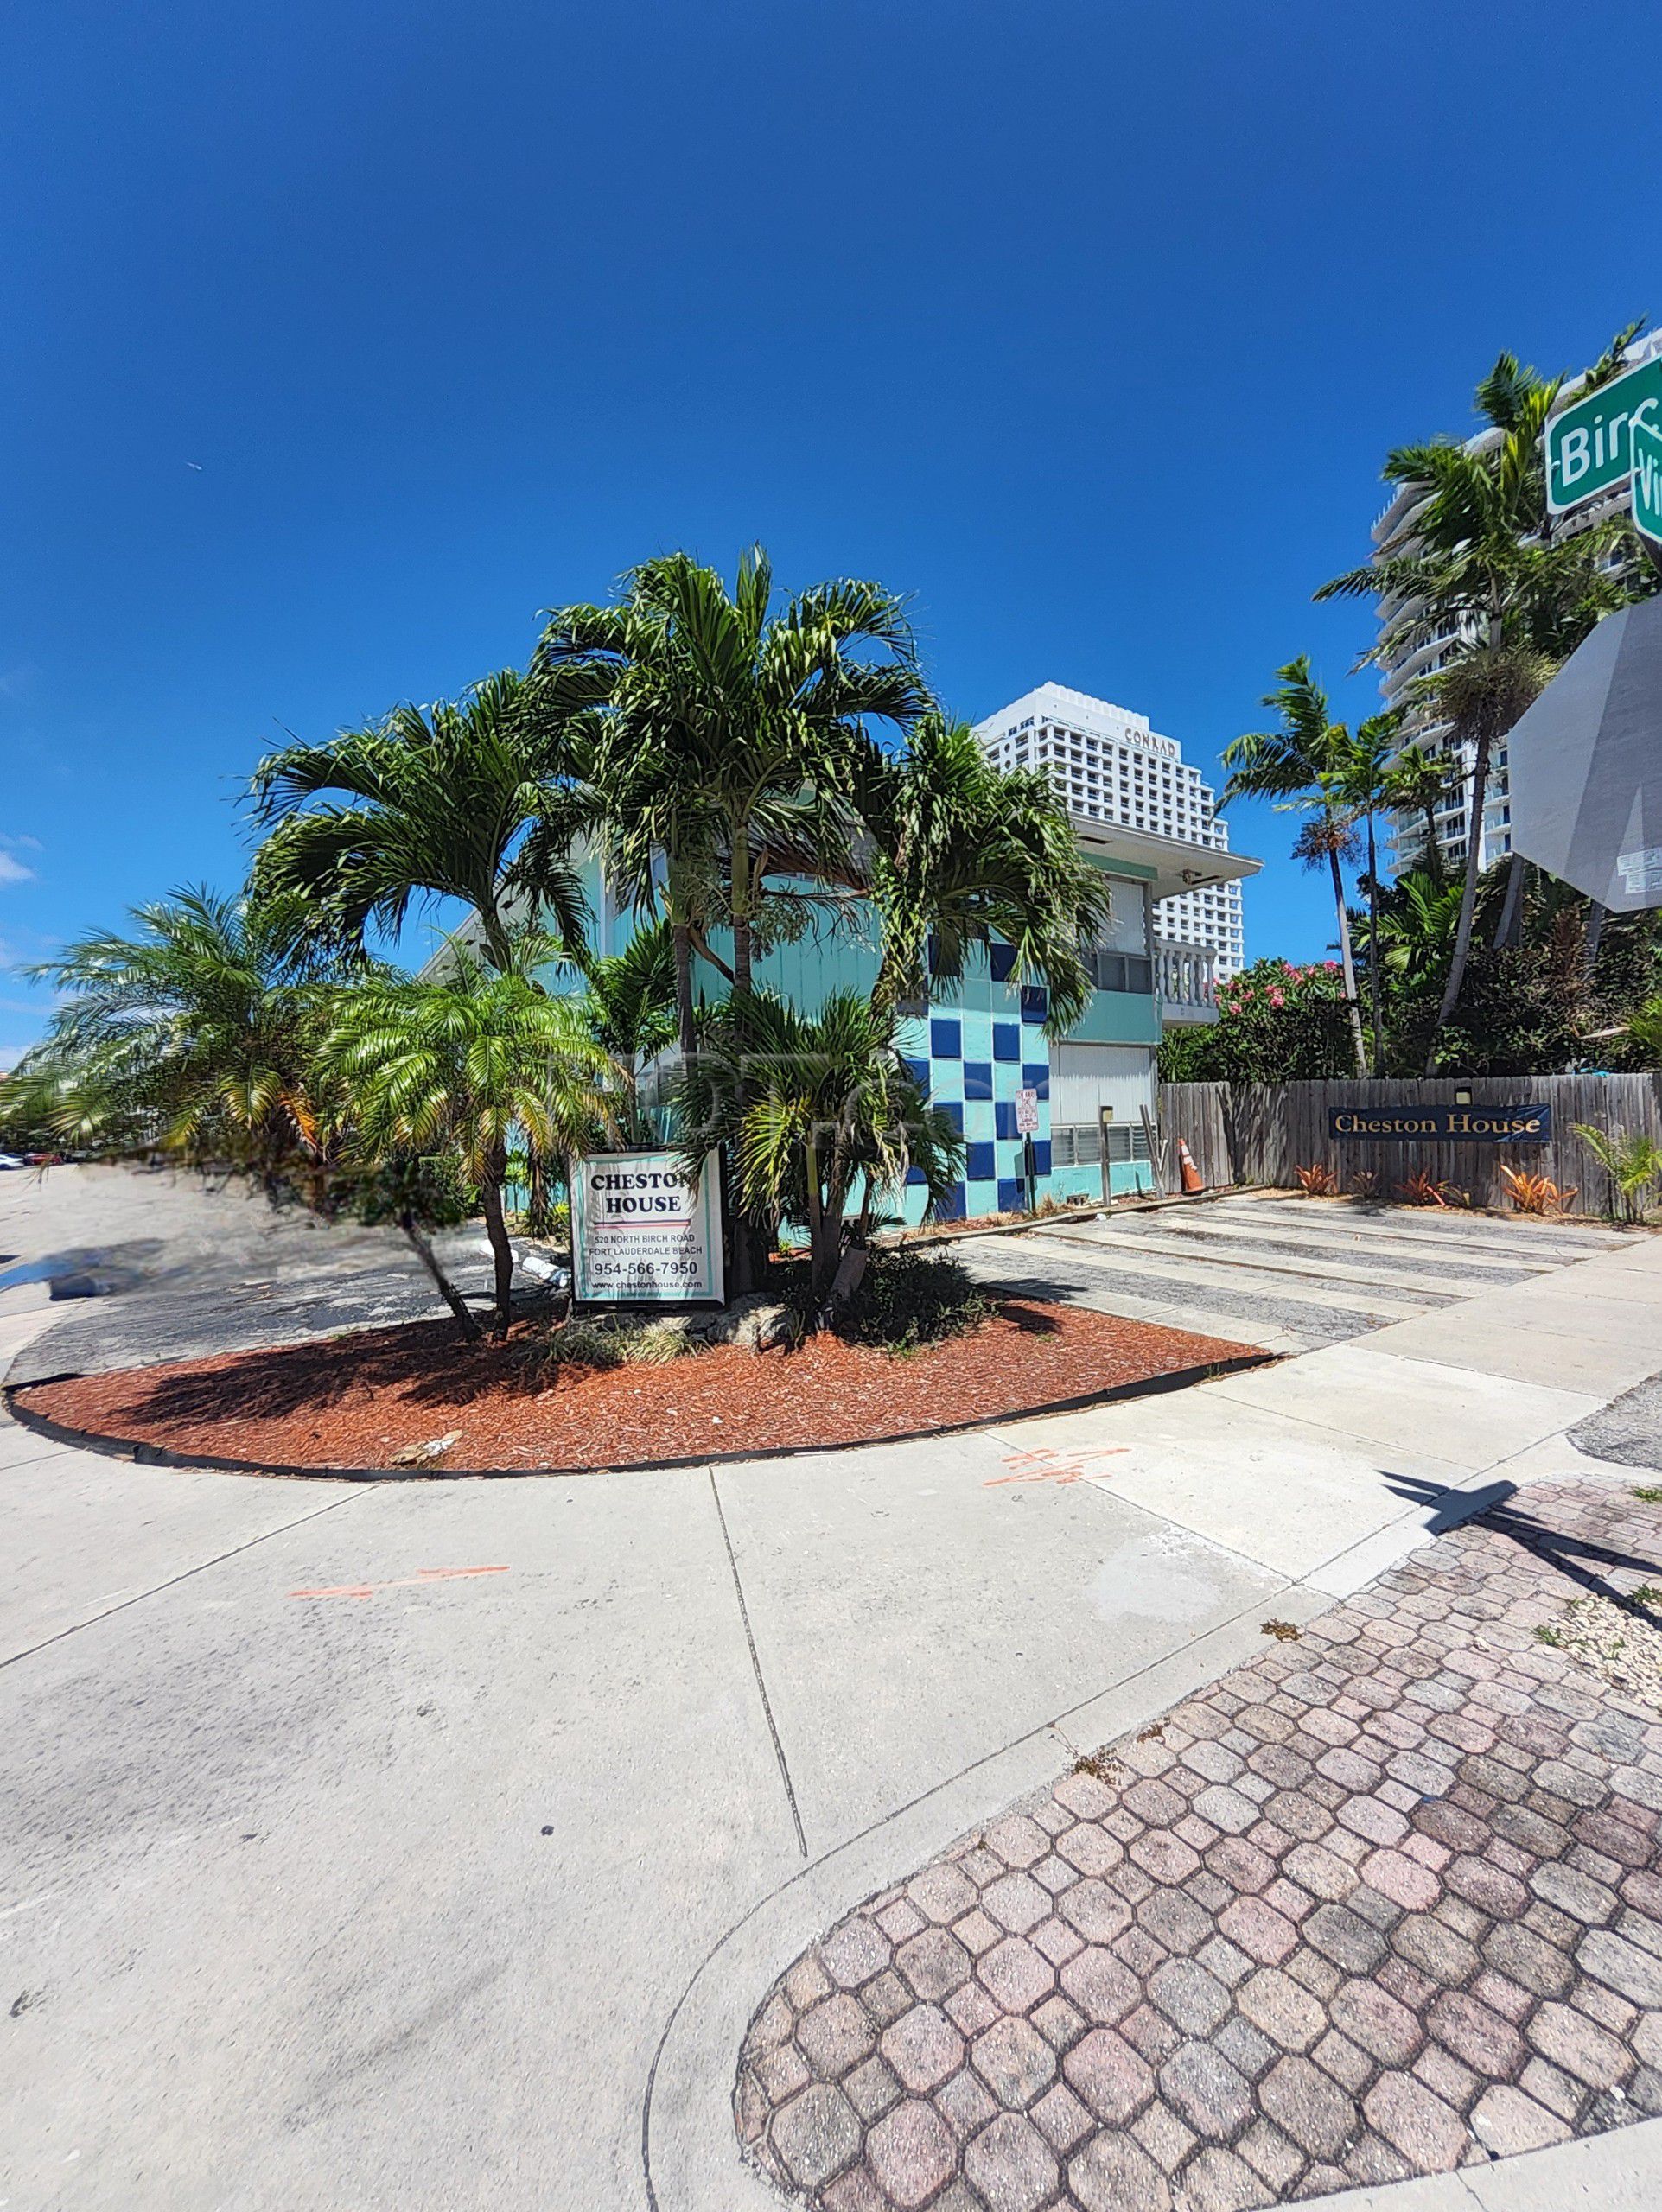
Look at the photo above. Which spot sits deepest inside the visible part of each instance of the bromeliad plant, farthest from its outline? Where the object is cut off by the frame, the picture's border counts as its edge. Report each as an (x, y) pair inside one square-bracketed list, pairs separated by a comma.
[(811, 1109), (1532, 1193)]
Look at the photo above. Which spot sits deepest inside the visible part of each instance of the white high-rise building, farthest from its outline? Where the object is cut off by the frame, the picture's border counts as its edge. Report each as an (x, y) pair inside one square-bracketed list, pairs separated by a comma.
[(1110, 766)]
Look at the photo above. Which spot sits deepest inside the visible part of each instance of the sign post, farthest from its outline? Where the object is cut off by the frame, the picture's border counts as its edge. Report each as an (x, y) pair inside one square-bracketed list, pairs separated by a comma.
[(642, 1234)]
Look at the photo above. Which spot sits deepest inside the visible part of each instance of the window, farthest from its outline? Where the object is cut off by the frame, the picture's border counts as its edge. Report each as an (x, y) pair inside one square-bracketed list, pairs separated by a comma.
[(1077, 1144)]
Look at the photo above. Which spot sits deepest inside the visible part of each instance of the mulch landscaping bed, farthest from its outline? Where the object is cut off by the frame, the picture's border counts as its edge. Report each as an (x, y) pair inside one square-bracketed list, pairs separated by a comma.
[(355, 1401)]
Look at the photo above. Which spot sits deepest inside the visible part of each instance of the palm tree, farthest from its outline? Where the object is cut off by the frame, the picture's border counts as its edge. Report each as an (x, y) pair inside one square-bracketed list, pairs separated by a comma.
[(1364, 784), (1300, 764), (454, 1069), (1479, 567), (959, 854), (1418, 781), (628, 1009), (434, 803), (829, 1104), (724, 733), (195, 1035)]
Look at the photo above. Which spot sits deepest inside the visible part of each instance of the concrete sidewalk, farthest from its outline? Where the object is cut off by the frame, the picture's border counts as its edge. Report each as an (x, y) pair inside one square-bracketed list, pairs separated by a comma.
[(463, 1890)]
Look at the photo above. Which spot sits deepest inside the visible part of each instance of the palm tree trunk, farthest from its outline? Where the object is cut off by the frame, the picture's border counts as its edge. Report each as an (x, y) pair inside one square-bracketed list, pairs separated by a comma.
[(1348, 966), (738, 902), (1373, 949), (447, 1289), (681, 939), (1512, 906), (1467, 900), (1594, 933), (490, 1194), (1433, 849)]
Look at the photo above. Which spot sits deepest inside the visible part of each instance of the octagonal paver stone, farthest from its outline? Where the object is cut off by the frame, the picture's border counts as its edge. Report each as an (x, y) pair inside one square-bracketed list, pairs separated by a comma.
[(1114, 2174), (815, 2136), (911, 2153), (835, 2035), (1015, 2062), (1011, 2166), (1112, 2078), (934, 1963), (923, 2047), (1017, 1974)]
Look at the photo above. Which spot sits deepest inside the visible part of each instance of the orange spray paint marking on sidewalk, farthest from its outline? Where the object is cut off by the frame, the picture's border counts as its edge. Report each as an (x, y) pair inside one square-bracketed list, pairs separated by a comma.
[(1043, 1465), (404, 1582)]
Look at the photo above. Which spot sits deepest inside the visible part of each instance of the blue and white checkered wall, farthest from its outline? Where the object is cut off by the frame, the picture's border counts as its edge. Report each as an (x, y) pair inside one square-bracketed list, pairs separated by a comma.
[(974, 1053)]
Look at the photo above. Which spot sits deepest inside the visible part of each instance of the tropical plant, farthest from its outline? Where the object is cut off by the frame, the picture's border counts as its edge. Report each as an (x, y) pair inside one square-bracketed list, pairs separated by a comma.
[(725, 735), (963, 855), (1632, 1159), (1317, 1181), (827, 1105), (1364, 786), (628, 1009), (455, 1069), (193, 1036), (432, 804), (1421, 1188), (1277, 1023), (1418, 781), (1643, 1028), (1534, 1193), (1300, 763), (1478, 574)]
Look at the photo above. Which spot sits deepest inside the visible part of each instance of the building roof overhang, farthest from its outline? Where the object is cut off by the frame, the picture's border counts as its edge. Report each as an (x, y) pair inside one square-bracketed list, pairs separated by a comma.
[(1177, 865)]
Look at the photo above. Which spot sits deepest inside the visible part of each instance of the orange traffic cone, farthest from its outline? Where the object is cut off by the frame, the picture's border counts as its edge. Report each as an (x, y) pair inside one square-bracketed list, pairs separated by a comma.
[(1193, 1179)]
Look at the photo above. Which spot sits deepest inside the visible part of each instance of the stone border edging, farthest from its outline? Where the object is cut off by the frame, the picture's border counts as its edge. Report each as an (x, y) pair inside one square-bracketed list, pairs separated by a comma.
[(143, 1454)]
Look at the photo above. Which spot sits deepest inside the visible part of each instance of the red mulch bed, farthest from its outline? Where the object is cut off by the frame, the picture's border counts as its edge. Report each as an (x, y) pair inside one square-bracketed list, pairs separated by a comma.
[(353, 1402)]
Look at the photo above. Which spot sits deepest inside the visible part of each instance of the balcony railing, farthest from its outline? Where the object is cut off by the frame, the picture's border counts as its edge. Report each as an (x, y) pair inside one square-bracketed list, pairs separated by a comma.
[(1185, 977)]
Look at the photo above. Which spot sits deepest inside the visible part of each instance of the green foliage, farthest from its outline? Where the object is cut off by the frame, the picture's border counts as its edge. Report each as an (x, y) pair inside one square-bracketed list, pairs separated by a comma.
[(432, 803), (1632, 1161), (1277, 1023), (907, 1301), (195, 1036), (601, 1343), (808, 1107), (963, 854)]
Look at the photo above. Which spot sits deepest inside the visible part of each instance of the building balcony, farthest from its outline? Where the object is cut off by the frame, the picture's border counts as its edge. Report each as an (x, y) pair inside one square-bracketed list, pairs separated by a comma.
[(1185, 982)]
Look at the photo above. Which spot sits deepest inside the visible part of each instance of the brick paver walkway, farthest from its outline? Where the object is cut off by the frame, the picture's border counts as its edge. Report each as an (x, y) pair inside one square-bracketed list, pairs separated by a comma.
[(1386, 1901)]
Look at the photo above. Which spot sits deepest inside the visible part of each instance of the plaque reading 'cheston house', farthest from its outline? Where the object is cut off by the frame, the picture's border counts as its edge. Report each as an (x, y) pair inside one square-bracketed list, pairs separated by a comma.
[(642, 1233), (1451, 1124)]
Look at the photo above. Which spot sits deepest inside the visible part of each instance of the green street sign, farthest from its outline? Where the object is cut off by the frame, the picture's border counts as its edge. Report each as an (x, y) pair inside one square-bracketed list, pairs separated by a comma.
[(1647, 482), (1590, 445)]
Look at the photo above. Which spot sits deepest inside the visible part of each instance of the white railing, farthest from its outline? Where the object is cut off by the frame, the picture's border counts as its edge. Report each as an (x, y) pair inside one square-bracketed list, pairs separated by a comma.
[(1185, 979)]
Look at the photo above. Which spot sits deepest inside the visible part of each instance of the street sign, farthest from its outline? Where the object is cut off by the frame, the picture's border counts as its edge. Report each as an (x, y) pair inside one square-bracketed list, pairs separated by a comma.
[(1589, 445), (1647, 482), (1027, 1112)]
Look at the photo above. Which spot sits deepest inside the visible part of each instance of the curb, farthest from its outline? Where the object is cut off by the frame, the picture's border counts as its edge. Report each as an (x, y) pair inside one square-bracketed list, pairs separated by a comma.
[(160, 1455)]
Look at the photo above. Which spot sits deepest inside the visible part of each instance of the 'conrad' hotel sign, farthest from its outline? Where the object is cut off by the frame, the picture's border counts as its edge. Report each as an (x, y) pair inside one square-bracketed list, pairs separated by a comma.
[(1453, 1124)]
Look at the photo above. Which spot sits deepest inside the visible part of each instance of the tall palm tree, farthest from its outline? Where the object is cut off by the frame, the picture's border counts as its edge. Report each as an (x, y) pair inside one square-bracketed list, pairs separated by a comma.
[(830, 1105), (434, 803), (1364, 787), (957, 853), (195, 1035), (1300, 763), (454, 1069), (724, 732), (1479, 564)]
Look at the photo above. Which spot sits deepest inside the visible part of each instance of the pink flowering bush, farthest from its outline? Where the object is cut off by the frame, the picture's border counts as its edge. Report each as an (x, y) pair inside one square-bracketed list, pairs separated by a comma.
[(1278, 1022)]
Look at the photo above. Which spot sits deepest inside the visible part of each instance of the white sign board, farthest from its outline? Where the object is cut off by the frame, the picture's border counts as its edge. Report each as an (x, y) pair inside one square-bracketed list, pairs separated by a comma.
[(1027, 1112), (641, 1235)]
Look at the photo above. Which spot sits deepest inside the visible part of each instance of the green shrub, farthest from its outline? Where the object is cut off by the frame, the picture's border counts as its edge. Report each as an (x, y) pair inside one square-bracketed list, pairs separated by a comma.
[(906, 1300)]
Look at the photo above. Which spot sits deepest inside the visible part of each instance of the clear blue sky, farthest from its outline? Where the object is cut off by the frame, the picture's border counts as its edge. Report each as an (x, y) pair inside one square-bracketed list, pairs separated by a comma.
[(1085, 323)]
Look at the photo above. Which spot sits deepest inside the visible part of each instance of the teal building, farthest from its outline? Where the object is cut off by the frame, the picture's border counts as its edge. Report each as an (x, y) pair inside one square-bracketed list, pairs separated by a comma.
[(978, 1042)]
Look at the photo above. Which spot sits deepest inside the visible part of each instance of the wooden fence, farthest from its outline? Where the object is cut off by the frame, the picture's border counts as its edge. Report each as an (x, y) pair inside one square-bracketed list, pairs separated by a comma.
[(1260, 1132)]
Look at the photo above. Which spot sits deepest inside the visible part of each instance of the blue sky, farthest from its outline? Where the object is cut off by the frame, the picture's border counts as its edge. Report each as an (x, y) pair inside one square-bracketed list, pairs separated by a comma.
[(335, 340)]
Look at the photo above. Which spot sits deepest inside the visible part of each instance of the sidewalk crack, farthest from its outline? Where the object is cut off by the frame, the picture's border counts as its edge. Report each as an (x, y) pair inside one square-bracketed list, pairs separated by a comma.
[(755, 1664)]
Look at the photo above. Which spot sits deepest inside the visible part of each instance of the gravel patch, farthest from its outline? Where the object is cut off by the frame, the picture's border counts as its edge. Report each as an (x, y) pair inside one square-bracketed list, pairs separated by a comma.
[(1629, 1430), (1621, 1643)]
